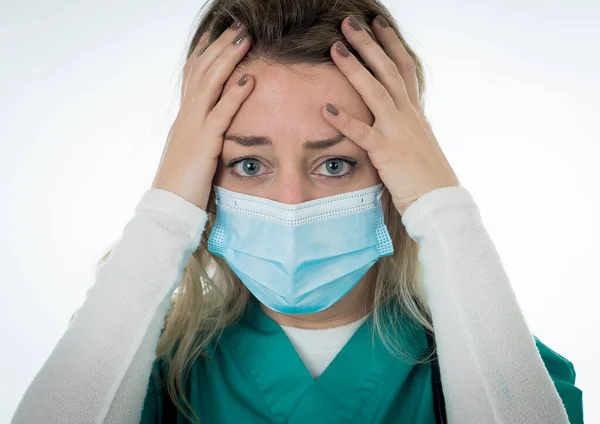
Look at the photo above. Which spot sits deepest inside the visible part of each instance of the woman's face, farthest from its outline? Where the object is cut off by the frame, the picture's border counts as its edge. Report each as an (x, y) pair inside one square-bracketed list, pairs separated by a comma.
[(291, 163)]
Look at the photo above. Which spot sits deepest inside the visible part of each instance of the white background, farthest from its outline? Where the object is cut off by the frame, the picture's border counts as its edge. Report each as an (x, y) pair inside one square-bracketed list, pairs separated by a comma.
[(88, 92)]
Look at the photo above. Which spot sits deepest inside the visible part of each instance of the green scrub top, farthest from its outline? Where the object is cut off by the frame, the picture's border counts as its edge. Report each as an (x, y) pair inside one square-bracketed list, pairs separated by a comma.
[(256, 376)]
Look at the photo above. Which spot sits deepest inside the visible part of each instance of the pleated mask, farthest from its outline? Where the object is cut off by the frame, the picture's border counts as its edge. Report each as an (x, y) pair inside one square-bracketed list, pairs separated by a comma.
[(302, 258)]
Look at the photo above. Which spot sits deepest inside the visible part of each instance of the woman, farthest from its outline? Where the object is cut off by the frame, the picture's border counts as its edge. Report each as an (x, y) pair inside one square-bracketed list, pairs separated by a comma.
[(319, 239)]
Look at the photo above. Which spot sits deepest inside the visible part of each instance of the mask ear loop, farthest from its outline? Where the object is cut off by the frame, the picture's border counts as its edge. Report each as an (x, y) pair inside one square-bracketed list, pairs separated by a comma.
[(382, 192)]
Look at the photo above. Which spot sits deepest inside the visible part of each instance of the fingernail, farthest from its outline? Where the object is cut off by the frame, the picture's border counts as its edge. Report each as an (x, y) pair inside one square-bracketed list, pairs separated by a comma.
[(354, 23), (243, 80), (331, 109), (341, 48), (240, 38), (381, 21), (236, 24)]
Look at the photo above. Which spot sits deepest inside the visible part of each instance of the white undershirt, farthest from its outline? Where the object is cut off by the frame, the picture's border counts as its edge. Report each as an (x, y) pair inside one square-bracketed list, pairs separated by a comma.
[(317, 348)]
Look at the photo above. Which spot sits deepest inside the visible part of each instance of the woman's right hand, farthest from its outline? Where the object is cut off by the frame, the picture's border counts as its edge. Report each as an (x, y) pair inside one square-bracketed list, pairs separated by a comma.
[(189, 160)]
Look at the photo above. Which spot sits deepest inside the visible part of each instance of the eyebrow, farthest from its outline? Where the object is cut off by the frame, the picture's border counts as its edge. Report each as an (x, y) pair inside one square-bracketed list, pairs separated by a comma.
[(260, 140)]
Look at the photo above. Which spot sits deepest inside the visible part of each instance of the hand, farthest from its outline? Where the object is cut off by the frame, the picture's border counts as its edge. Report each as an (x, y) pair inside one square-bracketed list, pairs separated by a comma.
[(189, 160), (400, 144)]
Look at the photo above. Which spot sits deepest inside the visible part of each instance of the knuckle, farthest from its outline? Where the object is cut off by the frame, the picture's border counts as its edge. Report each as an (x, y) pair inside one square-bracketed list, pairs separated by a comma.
[(368, 42), (203, 83), (380, 92), (390, 68), (408, 65), (362, 131), (212, 81), (214, 117), (354, 67), (231, 54), (216, 114)]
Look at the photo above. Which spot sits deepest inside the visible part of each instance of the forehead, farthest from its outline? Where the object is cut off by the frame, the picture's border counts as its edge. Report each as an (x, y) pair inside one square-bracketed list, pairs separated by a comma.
[(286, 101)]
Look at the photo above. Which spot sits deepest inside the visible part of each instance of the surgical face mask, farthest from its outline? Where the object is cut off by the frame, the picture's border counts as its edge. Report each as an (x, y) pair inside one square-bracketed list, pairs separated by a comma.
[(303, 258)]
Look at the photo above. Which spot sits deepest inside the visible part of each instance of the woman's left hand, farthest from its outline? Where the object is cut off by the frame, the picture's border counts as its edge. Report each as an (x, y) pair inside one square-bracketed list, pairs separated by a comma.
[(401, 143)]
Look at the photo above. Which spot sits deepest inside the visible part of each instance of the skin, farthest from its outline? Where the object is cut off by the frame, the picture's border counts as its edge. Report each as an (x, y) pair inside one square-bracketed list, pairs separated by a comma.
[(285, 105), (379, 114)]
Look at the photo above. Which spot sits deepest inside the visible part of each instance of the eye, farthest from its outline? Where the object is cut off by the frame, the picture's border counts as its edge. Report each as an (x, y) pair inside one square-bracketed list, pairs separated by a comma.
[(246, 167), (336, 167)]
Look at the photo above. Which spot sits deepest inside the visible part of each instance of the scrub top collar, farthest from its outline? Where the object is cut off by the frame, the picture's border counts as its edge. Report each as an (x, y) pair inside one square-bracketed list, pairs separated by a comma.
[(263, 349)]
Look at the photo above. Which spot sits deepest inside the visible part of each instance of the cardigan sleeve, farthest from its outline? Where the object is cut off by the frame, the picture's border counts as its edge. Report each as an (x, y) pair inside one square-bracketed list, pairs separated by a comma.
[(98, 371), (490, 368)]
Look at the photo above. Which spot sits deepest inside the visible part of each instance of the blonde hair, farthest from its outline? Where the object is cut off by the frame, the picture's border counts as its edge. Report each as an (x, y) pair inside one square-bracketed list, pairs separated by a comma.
[(285, 32)]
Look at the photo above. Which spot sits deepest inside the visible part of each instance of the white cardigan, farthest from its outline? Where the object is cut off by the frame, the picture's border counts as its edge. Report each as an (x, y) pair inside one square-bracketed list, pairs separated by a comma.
[(490, 367)]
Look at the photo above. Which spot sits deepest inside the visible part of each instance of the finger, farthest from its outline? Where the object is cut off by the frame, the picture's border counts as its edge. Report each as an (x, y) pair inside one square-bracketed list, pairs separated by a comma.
[(201, 44), (206, 88), (396, 51), (198, 49), (203, 59), (213, 81), (220, 117), (384, 69), (373, 93), (363, 135), (204, 55)]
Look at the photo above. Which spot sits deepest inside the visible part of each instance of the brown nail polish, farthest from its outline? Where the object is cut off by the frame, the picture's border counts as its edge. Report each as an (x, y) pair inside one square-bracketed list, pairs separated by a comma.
[(243, 80), (332, 109), (236, 24), (381, 21), (341, 48), (238, 40), (354, 23)]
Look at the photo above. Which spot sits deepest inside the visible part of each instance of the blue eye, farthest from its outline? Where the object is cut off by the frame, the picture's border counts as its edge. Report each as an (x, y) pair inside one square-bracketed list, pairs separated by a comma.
[(249, 166), (334, 166), (337, 167)]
